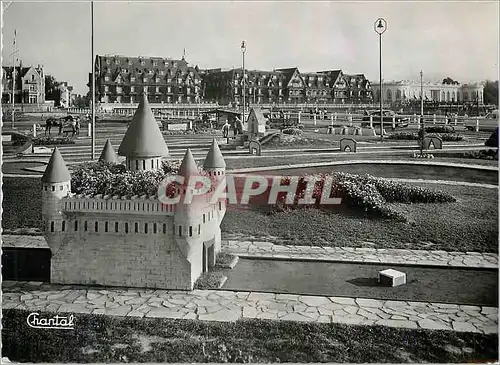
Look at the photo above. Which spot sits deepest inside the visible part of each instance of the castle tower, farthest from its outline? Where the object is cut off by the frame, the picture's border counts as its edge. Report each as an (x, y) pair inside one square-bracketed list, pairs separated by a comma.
[(214, 163), (188, 222), (143, 144), (108, 154), (56, 182)]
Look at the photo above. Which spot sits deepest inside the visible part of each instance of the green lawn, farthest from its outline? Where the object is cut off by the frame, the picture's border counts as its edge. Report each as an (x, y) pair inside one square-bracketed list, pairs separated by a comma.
[(470, 224), (309, 157), (107, 339)]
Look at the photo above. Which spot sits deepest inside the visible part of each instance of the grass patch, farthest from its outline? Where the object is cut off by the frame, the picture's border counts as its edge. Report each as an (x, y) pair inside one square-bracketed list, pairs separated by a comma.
[(294, 138), (226, 260), (22, 203), (310, 157), (210, 280), (469, 224), (107, 339)]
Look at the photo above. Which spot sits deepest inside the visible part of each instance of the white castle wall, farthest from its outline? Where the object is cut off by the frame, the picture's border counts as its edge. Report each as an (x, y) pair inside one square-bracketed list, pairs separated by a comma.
[(134, 242)]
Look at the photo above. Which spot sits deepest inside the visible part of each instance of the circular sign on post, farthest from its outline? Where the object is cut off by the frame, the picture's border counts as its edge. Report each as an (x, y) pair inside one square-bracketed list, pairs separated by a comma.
[(380, 25)]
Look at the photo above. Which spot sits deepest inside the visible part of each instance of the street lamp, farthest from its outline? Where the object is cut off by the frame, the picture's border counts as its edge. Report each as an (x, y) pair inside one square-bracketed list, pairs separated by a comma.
[(243, 50), (422, 122), (380, 27)]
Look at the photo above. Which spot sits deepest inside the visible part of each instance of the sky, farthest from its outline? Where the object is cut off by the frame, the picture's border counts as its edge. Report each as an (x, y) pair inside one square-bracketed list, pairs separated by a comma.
[(457, 39)]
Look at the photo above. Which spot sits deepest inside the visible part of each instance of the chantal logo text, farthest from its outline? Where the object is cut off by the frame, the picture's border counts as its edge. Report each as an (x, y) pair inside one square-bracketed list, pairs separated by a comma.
[(56, 322)]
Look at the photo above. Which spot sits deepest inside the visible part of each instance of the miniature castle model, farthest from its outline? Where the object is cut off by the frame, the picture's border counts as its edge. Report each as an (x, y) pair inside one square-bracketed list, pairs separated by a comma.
[(132, 241)]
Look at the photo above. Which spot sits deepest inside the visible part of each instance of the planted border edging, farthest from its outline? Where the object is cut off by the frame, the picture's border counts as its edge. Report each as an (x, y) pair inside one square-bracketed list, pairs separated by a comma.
[(126, 339)]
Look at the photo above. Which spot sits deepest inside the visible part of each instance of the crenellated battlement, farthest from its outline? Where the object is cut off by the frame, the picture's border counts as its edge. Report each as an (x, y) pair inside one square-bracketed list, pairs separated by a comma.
[(117, 204)]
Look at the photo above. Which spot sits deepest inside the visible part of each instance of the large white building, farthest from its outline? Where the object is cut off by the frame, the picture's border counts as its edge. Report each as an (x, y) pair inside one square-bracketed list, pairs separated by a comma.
[(399, 91), (132, 241)]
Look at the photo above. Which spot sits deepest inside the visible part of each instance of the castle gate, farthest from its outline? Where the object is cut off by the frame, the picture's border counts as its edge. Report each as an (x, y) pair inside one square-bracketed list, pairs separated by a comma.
[(208, 255)]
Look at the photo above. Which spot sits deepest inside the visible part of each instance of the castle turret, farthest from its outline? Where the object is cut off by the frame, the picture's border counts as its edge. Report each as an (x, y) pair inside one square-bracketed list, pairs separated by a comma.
[(143, 144), (56, 184), (214, 163), (108, 154)]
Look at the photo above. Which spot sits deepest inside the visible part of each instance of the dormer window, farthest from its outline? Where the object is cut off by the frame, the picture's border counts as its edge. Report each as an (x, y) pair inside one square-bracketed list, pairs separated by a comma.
[(130, 62), (107, 62), (132, 79), (106, 78), (154, 63), (143, 63), (145, 79)]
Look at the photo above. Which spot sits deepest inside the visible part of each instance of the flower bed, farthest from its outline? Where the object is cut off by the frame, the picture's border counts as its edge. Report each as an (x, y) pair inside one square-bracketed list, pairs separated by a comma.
[(107, 178), (48, 141), (214, 132), (407, 136), (364, 193), (440, 129)]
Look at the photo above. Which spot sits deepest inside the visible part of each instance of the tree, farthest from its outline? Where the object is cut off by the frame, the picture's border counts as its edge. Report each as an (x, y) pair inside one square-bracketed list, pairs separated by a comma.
[(81, 101), (52, 89), (490, 94), (449, 81)]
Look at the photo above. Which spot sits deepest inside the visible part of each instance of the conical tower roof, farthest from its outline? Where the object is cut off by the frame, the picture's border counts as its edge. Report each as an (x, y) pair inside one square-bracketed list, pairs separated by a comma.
[(188, 166), (214, 157), (56, 170), (108, 154), (143, 138)]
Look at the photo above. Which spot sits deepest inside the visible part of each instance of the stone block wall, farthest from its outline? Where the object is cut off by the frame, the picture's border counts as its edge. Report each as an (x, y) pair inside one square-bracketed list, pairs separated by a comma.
[(119, 259)]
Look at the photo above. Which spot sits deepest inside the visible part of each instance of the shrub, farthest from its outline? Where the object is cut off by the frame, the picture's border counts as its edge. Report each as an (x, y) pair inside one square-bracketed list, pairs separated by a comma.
[(105, 178), (440, 129), (364, 193), (408, 136), (293, 131), (404, 136), (46, 141), (482, 155), (210, 280)]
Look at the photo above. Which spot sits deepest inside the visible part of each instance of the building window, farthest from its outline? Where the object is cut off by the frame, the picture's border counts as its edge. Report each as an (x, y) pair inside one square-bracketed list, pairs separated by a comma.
[(203, 218), (132, 79), (105, 226), (220, 205), (136, 227), (76, 226), (52, 226), (154, 228), (199, 229), (53, 188), (85, 226), (63, 228), (97, 226), (145, 228), (180, 231), (164, 228), (190, 231)]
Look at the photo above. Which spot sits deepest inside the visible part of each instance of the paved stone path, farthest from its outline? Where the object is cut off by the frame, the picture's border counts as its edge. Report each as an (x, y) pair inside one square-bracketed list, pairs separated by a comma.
[(228, 306), (270, 248), (256, 248)]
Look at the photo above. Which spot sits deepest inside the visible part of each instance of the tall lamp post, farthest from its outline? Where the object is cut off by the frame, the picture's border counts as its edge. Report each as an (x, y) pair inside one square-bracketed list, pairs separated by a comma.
[(243, 50), (422, 121), (380, 28), (93, 84)]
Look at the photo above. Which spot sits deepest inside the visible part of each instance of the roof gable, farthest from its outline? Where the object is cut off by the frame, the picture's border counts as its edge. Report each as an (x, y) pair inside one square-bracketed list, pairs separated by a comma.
[(143, 138)]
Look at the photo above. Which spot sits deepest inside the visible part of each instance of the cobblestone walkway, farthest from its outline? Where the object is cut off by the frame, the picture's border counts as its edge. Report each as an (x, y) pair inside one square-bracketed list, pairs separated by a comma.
[(228, 306), (269, 249)]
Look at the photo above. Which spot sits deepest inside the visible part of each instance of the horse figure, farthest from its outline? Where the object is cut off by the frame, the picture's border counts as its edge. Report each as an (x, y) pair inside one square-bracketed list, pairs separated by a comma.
[(49, 123)]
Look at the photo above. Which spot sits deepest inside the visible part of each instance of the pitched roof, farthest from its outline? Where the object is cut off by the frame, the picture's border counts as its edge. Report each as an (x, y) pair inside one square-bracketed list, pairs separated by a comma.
[(143, 138), (188, 166), (108, 154), (214, 157), (56, 170), (259, 115)]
